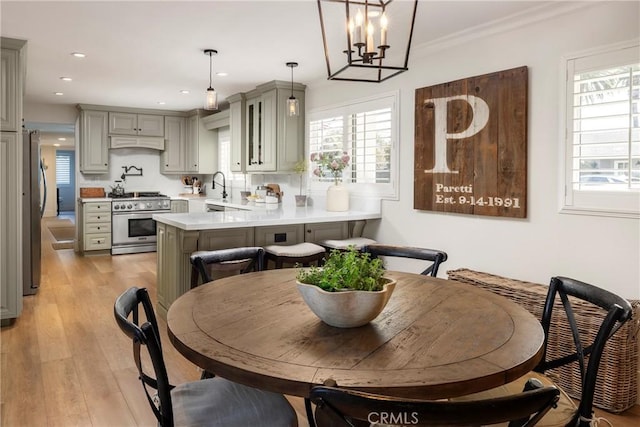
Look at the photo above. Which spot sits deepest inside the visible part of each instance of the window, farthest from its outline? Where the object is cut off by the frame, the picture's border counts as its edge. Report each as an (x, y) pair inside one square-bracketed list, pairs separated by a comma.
[(602, 154), (63, 169), (367, 131)]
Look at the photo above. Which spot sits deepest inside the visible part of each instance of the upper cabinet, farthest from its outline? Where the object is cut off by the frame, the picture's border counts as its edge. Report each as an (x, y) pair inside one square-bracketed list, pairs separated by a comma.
[(189, 146), (136, 124), (201, 154), (175, 134), (237, 132), (272, 140), (93, 144), (11, 81)]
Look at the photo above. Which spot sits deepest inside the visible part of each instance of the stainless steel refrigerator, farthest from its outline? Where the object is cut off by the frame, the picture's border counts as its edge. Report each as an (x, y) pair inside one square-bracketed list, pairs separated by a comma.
[(34, 196)]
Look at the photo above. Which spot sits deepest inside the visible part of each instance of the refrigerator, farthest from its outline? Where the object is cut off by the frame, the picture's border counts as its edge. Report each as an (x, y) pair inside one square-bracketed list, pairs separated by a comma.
[(34, 196)]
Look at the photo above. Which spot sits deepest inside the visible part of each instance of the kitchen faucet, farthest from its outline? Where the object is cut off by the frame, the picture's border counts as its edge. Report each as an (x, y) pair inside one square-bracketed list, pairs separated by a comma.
[(224, 184)]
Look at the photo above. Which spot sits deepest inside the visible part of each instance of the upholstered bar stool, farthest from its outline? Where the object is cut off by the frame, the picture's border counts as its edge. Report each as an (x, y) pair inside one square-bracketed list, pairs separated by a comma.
[(343, 244), (301, 253), (356, 240)]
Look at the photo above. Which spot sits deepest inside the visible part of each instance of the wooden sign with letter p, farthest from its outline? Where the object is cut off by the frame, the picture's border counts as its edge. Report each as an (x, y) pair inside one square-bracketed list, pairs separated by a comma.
[(471, 145)]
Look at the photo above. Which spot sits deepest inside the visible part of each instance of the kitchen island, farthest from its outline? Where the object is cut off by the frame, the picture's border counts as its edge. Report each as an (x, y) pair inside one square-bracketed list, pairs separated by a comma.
[(181, 234)]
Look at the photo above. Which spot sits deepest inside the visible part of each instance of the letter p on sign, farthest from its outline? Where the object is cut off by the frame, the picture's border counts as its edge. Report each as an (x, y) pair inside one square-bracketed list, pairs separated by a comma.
[(480, 111)]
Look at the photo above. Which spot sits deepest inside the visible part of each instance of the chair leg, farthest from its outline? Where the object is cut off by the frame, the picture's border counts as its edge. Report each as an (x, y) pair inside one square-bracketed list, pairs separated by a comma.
[(309, 409)]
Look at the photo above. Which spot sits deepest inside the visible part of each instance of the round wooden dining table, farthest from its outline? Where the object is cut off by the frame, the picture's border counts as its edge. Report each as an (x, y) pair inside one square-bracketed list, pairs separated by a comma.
[(435, 338)]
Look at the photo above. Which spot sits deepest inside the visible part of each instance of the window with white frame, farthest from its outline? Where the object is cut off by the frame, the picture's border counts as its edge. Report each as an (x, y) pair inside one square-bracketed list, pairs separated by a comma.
[(367, 130), (602, 129), (63, 168)]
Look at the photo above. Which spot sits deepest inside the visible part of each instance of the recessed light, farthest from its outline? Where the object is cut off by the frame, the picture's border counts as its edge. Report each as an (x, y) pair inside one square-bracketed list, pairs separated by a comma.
[(184, 92), (56, 145), (222, 74), (78, 54), (58, 93), (62, 139), (66, 79), (161, 102)]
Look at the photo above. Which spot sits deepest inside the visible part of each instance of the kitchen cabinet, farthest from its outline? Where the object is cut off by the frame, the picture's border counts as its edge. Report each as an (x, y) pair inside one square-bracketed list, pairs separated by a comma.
[(95, 225), (189, 146), (237, 132), (317, 232), (273, 141), (172, 158), (10, 108), (200, 149), (94, 143), (136, 124), (10, 227), (12, 58), (225, 238)]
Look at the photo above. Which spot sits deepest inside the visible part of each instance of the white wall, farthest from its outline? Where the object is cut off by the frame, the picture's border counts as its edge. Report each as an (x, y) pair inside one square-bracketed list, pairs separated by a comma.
[(600, 250)]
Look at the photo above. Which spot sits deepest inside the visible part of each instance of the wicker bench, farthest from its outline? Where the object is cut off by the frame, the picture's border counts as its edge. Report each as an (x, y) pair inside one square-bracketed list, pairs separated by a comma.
[(617, 384)]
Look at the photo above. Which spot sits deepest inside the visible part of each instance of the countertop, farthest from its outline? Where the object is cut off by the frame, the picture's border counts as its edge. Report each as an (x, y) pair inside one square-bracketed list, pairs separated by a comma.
[(278, 215)]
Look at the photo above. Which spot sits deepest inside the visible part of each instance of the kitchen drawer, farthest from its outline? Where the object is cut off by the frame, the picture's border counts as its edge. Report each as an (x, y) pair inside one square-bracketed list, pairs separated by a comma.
[(102, 217), (279, 235), (98, 227), (97, 207), (94, 242)]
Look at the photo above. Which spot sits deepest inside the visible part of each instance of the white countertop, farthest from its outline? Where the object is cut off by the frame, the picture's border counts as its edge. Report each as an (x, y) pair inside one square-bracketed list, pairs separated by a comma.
[(278, 215)]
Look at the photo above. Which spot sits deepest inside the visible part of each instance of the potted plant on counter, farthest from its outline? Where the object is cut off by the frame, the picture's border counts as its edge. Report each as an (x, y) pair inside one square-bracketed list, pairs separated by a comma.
[(349, 290), (300, 168)]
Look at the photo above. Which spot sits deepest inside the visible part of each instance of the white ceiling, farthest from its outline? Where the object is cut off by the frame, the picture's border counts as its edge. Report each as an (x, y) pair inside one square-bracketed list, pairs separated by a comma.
[(140, 53)]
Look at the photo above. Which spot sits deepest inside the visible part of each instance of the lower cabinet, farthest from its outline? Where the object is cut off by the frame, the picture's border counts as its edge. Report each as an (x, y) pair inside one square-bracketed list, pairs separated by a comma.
[(325, 231), (96, 226), (279, 235), (225, 238)]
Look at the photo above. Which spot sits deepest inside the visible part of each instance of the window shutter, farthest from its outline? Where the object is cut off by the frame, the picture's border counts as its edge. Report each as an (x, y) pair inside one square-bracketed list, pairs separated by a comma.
[(63, 169)]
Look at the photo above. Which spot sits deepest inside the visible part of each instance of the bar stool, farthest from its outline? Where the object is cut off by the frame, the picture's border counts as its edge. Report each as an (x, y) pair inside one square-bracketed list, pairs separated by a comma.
[(343, 244), (355, 239), (301, 253)]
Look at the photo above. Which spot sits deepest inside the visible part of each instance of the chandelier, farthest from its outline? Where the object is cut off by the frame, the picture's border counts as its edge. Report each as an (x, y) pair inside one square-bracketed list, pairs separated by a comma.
[(376, 34)]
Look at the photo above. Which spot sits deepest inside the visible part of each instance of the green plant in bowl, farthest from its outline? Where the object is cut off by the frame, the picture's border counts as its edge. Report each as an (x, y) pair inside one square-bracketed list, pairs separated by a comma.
[(348, 269), (348, 291)]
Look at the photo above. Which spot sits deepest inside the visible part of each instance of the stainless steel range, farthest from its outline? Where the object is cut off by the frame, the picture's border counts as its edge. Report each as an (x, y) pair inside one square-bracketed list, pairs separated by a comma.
[(133, 229)]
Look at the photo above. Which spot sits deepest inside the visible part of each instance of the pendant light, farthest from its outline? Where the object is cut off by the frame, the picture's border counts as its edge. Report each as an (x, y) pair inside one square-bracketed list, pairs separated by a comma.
[(292, 102), (211, 101)]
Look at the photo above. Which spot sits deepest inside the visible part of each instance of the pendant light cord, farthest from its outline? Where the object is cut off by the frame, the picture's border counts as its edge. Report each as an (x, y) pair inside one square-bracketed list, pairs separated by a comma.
[(210, 69), (292, 81)]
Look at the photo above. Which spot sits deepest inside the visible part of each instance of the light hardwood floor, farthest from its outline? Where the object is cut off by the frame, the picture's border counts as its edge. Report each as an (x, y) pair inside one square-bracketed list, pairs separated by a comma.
[(66, 363)]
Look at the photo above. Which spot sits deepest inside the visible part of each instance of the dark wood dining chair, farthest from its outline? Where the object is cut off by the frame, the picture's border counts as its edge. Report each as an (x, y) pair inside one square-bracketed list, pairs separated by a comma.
[(335, 407), (208, 402), (435, 257), (584, 347), (225, 261)]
